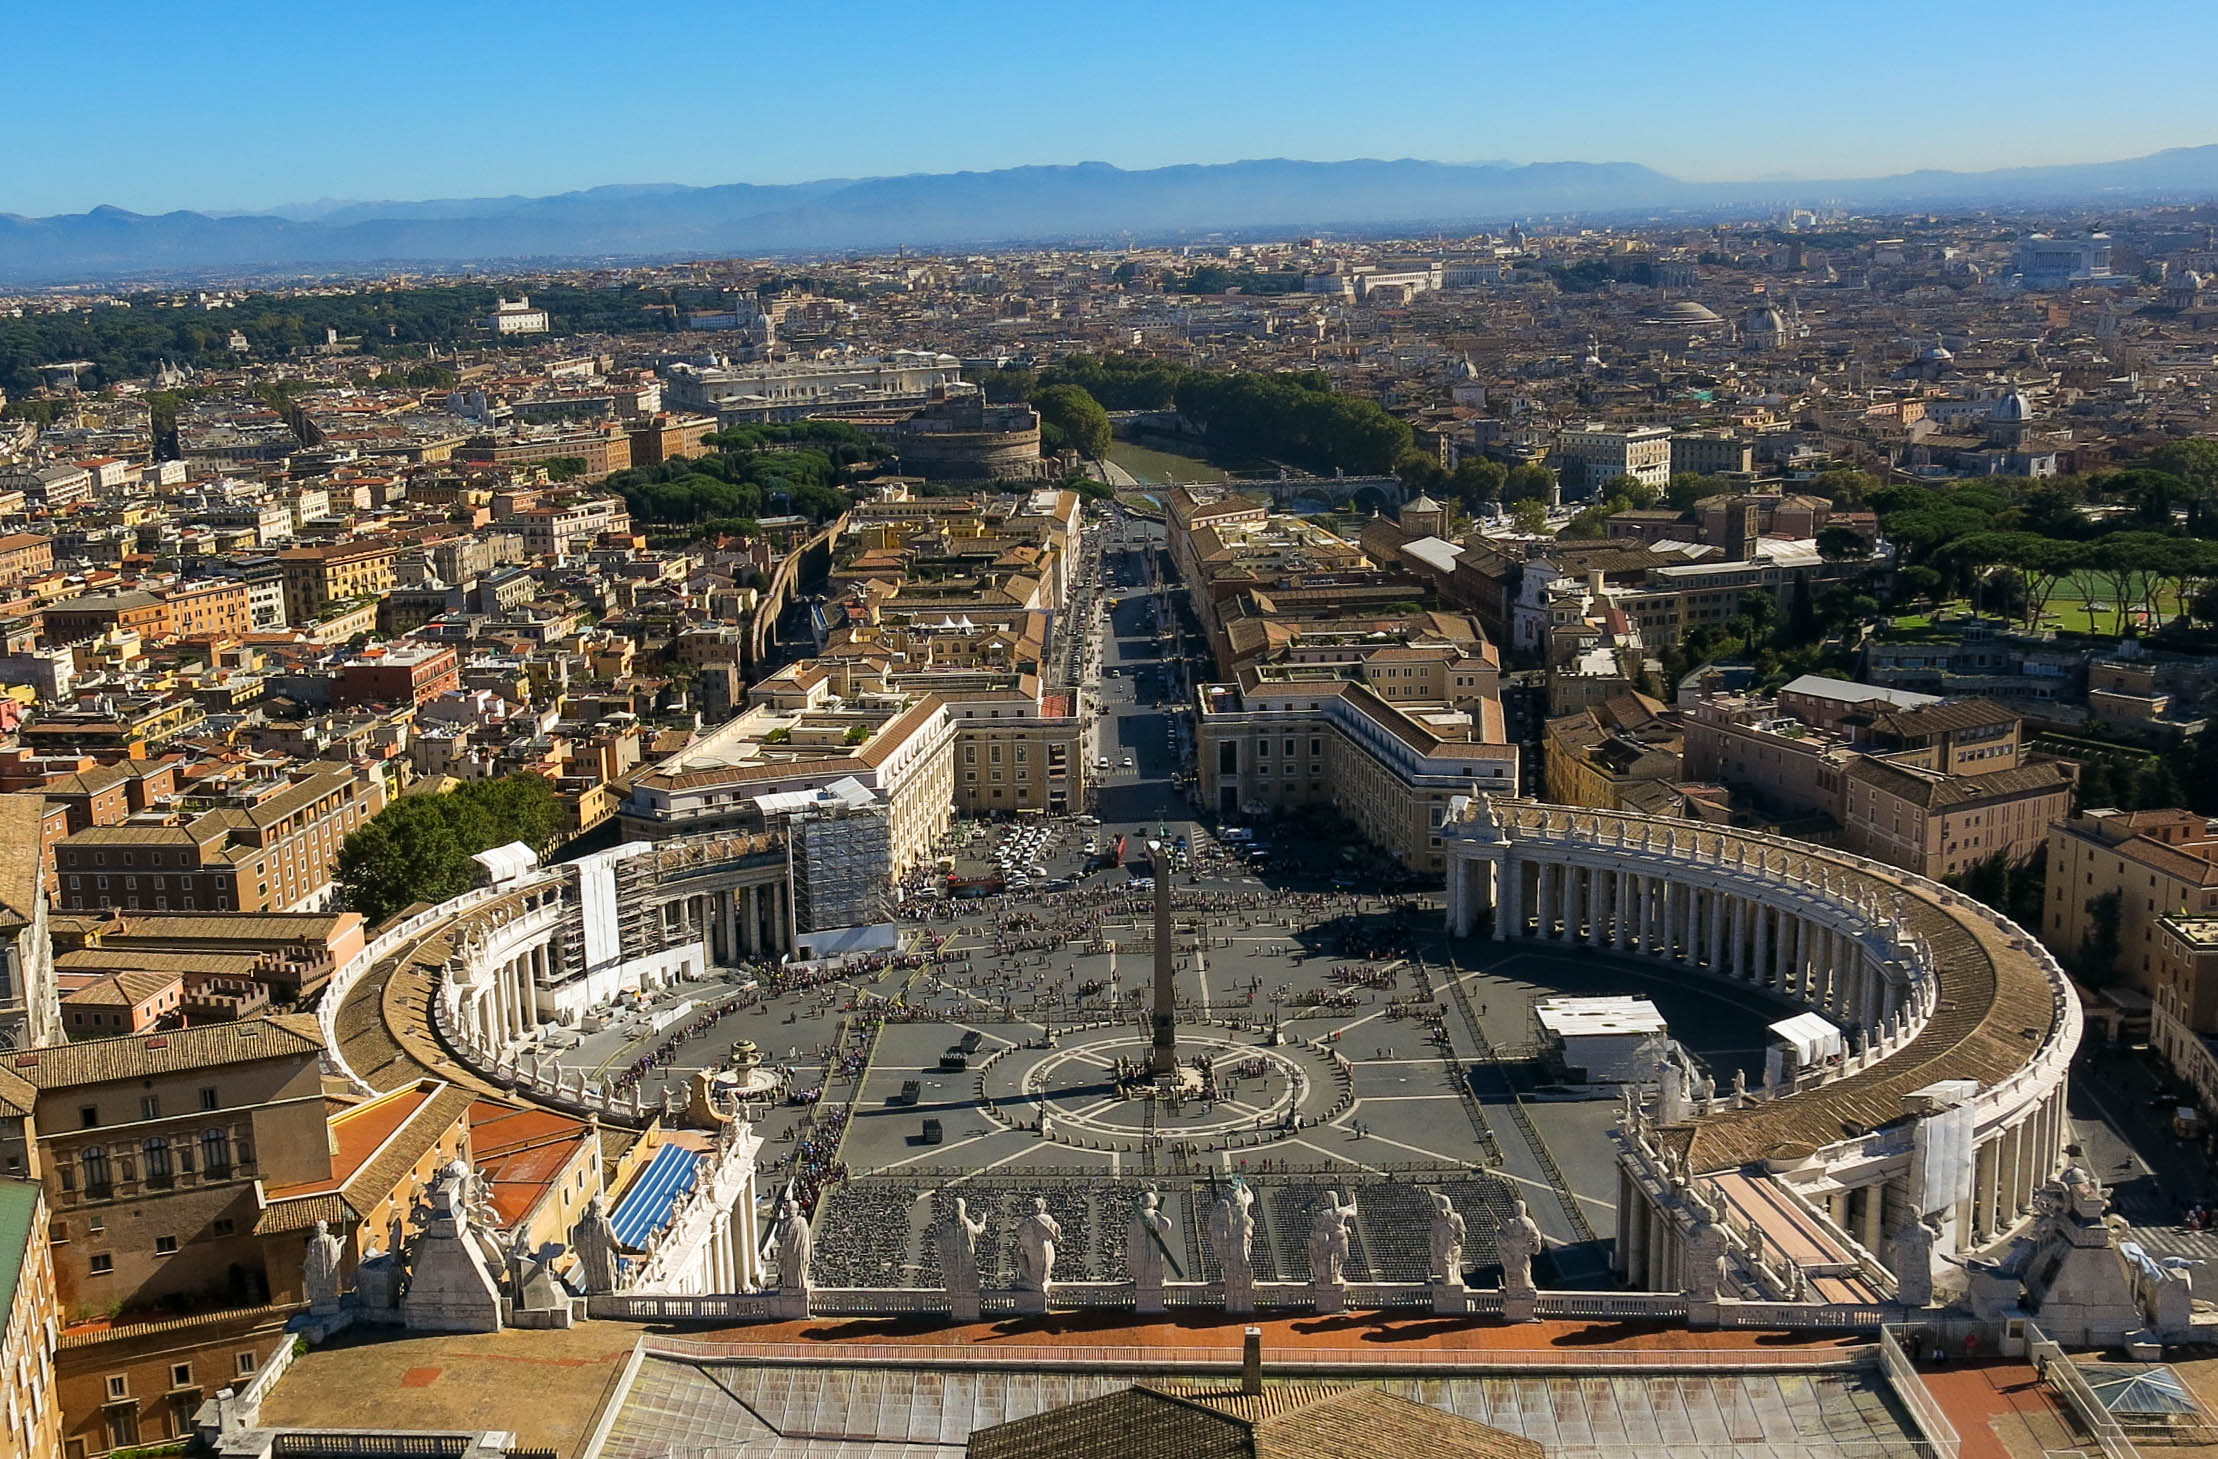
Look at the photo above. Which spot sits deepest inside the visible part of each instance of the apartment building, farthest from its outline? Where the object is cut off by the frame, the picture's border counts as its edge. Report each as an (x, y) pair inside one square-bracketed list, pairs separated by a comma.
[(2155, 864), (30, 1009), (318, 577), (1283, 737), (1621, 754), (72, 620), (1933, 787), (211, 610), (30, 1405), (401, 673), (1941, 824), (1711, 453), (23, 557), (557, 531), (602, 449), (793, 737), (270, 846), (664, 437), (1603, 453), (154, 1154)]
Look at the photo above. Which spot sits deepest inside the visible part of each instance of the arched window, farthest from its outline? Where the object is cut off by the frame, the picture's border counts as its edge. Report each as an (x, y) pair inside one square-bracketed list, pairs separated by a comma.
[(159, 1171), (215, 1154), (94, 1162)]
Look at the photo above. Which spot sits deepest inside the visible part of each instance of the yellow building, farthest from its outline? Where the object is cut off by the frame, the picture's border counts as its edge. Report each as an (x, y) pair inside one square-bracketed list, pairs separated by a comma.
[(30, 1405)]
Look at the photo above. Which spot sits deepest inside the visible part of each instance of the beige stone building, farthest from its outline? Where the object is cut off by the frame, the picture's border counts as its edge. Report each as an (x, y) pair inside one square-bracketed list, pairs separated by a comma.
[(1284, 737), (2159, 864), (1623, 754), (797, 734), (30, 1404), (173, 1267), (1932, 786)]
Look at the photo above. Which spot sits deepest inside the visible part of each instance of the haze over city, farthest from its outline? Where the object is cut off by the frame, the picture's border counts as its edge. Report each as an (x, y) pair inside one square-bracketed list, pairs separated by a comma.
[(292, 104)]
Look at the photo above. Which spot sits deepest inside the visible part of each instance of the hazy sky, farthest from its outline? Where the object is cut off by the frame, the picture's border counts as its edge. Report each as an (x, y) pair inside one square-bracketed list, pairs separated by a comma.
[(160, 106)]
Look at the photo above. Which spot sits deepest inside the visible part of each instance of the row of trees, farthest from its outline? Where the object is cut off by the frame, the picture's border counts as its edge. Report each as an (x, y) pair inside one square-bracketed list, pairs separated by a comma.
[(128, 343), (756, 470), (418, 848), (1294, 417)]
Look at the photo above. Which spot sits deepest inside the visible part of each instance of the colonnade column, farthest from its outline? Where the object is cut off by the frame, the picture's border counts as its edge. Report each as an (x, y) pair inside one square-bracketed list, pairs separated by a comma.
[(1875, 1206), (1597, 910), (1509, 897), (1550, 878)]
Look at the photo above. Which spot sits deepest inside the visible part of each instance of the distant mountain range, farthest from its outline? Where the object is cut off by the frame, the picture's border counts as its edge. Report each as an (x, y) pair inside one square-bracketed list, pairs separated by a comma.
[(1089, 201)]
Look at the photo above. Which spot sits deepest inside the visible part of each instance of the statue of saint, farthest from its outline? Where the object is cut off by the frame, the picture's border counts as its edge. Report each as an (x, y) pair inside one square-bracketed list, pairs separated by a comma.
[(1705, 1257), (796, 1242), (1329, 1240), (1147, 1240), (1232, 1234), (1518, 1241), (1446, 1240), (958, 1247), (320, 1270), (1913, 1265), (594, 1241), (1036, 1238)]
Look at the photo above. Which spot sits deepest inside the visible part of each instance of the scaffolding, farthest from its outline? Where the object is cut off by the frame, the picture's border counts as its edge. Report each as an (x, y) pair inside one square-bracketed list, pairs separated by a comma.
[(842, 866)]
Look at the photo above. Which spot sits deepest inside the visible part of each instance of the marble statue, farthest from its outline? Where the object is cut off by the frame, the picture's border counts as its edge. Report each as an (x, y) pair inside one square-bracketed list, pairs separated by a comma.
[(1705, 1256), (1913, 1264), (320, 1270), (594, 1241), (1329, 1239), (1146, 1240), (1232, 1233), (1518, 1241), (1446, 1240), (958, 1248), (796, 1243), (1036, 1238)]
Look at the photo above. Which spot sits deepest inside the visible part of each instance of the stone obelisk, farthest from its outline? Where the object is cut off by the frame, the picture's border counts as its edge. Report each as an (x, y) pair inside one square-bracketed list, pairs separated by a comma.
[(1163, 1059)]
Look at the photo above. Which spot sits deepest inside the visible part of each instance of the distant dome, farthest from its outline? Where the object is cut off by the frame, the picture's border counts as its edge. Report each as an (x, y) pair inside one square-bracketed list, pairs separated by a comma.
[(1766, 320), (1463, 369), (1422, 504), (2013, 409), (1937, 352), (1688, 311)]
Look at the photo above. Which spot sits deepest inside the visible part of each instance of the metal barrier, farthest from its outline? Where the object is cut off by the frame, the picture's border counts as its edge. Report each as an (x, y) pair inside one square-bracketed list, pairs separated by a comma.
[(1909, 1388), (2059, 1371), (1287, 1361)]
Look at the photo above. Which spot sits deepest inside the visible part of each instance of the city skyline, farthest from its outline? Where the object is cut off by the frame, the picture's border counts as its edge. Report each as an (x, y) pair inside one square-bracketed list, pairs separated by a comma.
[(552, 103)]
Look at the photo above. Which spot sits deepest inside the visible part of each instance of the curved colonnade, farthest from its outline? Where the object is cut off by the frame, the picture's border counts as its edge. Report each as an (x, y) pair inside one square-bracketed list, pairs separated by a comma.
[(1930, 1129), (556, 941)]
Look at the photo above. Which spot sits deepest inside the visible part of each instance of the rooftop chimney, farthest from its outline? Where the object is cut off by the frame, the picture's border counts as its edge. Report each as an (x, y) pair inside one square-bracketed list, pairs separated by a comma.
[(1251, 1362)]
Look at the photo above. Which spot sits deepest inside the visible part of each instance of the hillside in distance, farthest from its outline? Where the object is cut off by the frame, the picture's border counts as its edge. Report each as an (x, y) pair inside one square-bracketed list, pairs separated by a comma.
[(1085, 201)]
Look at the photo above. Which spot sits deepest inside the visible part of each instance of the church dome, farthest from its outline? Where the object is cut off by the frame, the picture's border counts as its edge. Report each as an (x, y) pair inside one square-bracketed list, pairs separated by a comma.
[(1689, 311), (1766, 320), (2013, 409)]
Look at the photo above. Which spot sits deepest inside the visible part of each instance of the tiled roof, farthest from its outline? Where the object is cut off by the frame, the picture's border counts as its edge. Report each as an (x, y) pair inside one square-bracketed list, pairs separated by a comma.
[(22, 856), (143, 1056), (1284, 1421)]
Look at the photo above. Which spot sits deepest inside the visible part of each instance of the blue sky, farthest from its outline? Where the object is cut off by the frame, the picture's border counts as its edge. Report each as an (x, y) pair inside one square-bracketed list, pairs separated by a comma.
[(153, 107)]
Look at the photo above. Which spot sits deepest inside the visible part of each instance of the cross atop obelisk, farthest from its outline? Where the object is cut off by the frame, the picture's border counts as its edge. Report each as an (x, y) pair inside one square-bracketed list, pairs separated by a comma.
[(1163, 1058)]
